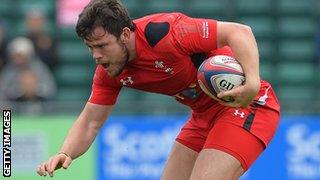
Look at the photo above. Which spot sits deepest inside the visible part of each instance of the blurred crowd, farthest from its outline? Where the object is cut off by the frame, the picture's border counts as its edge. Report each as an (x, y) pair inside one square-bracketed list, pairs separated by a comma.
[(27, 63)]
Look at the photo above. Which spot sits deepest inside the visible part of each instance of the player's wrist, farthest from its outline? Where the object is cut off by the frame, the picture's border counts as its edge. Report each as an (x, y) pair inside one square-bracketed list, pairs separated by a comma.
[(253, 83), (64, 153)]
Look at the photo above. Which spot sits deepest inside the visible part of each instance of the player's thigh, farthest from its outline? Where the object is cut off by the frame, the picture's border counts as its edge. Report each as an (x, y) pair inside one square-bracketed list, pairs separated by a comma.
[(180, 163), (228, 152), (217, 165)]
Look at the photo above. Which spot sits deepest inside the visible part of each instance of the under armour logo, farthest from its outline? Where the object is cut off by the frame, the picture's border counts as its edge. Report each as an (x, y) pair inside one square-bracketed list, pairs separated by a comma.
[(237, 112), (161, 65), (127, 81)]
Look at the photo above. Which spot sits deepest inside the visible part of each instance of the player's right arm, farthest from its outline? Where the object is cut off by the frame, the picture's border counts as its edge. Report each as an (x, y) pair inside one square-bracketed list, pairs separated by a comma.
[(80, 137)]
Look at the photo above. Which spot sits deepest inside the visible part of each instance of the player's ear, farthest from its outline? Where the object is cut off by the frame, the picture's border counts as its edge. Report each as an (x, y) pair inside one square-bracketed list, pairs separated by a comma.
[(125, 35)]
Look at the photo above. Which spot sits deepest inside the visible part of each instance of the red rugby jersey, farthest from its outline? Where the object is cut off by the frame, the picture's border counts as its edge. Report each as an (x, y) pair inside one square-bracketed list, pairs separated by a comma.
[(165, 43)]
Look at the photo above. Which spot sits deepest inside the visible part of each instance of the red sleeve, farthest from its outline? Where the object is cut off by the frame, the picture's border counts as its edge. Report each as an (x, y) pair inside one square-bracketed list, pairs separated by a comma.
[(196, 35), (225, 50), (105, 89)]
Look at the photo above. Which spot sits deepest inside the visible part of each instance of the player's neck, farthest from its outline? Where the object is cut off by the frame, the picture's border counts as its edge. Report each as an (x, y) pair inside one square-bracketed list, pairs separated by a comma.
[(132, 47)]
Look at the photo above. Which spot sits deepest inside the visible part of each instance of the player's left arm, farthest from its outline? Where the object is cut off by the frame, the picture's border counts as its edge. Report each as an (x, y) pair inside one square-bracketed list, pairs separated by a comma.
[(196, 35), (241, 40)]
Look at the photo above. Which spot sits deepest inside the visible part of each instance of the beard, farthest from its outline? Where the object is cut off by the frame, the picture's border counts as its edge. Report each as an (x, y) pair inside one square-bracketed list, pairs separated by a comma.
[(117, 68)]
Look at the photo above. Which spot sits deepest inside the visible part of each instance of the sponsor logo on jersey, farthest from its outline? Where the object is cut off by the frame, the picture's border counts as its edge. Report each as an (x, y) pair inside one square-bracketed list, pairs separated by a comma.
[(205, 30), (161, 65), (127, 81)]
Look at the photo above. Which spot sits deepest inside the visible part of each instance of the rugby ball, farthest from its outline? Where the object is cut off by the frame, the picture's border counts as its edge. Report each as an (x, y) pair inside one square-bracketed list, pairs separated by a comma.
[(220, 73)]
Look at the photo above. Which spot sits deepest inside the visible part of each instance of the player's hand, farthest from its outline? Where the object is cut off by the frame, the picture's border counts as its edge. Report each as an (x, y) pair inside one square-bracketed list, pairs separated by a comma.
[(55, 162), (241, 96)]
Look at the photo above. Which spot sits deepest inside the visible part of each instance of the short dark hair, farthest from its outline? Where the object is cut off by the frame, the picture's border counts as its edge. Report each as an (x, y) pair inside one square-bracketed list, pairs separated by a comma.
[(109, 14)]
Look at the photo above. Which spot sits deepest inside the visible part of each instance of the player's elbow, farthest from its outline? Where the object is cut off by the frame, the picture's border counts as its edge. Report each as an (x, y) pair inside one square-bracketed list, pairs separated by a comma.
[(230, 32), (244, 29), (242, 34)]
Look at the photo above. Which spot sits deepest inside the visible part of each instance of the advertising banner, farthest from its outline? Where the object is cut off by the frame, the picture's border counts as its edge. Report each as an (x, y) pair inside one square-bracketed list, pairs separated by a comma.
[(136, 147), (293, 154), (35, 139)]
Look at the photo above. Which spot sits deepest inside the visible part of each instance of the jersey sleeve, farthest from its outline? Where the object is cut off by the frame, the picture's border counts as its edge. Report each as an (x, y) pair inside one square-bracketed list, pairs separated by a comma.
[(105, 89), (195, 35), (225, 50)]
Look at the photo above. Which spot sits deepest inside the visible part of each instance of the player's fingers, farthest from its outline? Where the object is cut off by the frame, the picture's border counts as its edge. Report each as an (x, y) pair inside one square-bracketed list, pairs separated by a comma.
[(235, 99), (42, 169), (235, 102), (53, 164), (67, 163), (47, 166), (230, 93), (39, 171), (230, 104)]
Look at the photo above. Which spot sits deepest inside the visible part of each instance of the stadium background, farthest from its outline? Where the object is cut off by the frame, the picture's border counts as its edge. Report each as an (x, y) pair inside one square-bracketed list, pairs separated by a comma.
[(286, 33)]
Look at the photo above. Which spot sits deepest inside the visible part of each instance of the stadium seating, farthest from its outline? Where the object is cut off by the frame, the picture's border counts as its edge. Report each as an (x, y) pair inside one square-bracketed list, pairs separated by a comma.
[(74, 75), (128, 95), (67, 33), (136, 8), (301, 73), (46, 6), (253, 7), (296, 94), (266, 50), (262, 26), (75, 72), (74, 52), (208, 8), (266, 71), (293, 27), (73, 94), (295, 7), (155, 6), (19, 27), (5, 8), (297, 50)]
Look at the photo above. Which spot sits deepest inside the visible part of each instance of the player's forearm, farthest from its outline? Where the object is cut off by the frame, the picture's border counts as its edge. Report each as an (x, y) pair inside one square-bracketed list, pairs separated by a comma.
[(84, 130), (245, 49), (243, 44), (79, 139)]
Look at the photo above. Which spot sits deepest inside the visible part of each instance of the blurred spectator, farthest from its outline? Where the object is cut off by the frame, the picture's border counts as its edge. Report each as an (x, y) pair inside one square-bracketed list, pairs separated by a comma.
[(21, 58), (43, 42), (30, 101), (3, 44), (29, 83)]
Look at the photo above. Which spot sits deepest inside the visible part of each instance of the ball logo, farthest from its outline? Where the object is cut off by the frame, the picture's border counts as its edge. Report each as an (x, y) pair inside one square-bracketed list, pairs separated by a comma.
[(220, 61), (226, 85), (225, 61), (212, 62)]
